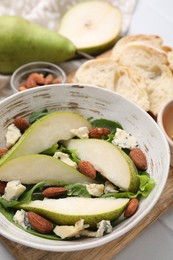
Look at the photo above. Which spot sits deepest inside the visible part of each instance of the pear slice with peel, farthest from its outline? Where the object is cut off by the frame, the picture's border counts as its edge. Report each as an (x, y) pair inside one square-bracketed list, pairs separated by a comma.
[(113, 163), (33, 168), (46, 132), (67, 211), (93, 26)]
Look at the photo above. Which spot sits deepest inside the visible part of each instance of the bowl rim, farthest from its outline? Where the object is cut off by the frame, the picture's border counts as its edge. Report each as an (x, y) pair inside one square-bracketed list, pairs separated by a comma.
[(91, 243)]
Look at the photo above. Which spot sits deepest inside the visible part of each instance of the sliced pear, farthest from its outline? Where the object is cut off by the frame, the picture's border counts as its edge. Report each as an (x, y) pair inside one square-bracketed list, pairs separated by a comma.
[(68, 211), (93, 26), (33, 168), (109, 160), (45, 132)]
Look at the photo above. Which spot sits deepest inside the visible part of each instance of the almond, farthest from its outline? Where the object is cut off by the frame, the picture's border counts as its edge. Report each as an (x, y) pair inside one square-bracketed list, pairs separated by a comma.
[(3, 151), (99, 132), (87, 169), (139, 158), (56, 80), (39, 223), (2, 187), (21, 123), (131, 208), (54, 192), (34, 79), (48, 79)]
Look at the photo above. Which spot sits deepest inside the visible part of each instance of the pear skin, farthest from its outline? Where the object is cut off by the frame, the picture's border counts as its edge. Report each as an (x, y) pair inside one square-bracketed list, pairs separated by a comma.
[(22, 41), (109, 160), (67, 211), (46, 132)]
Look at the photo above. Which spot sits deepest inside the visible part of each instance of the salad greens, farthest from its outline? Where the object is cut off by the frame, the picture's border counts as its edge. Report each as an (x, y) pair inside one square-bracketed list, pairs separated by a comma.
[(34, 192)]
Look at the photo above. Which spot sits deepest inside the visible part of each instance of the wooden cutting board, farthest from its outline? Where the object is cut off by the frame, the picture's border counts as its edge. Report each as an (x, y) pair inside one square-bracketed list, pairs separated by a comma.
[(107, 251)]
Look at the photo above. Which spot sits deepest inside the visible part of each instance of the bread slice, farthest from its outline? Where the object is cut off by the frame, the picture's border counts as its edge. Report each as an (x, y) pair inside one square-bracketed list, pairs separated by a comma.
[(136, 54), (151, 40), (106, 73), (170, 59), (131, 85), (98, 72), (159, 82)]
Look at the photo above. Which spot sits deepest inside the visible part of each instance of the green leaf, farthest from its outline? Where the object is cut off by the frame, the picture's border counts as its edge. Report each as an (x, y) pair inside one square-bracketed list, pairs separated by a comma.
[(24, 198), (37, 115), (9, 213), (78, 190), (146, 186), (51, 151), (71, 153)]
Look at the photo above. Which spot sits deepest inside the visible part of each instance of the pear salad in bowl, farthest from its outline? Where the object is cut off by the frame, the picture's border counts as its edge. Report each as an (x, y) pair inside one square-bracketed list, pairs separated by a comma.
[(66, 177), (80, 166)]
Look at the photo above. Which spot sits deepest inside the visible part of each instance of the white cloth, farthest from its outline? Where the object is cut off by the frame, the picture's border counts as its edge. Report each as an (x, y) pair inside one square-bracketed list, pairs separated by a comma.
[(47, 13)]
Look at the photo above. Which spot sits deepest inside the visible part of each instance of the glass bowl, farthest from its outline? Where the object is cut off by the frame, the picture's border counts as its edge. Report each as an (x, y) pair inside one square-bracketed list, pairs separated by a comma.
[(38, 72)]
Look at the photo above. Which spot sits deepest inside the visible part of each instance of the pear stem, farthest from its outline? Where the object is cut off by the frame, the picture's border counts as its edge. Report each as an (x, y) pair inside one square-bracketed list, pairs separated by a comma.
[(85, 55)]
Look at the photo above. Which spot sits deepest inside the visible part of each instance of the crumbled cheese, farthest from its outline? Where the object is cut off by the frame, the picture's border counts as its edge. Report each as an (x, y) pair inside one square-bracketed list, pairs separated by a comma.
[(81, 132), (95, 190), (79, 229), (13, 190), (65, 158), (104, 226), (21, 219), (124, 139), (70, 231), (109, 187), (12, 136)]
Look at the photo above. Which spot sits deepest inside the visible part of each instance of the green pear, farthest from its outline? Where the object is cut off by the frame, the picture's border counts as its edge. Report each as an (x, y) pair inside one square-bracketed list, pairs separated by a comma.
[(93, 26), (46, 132), (67, 211), (22, 41), (113, 163), (34, 168)]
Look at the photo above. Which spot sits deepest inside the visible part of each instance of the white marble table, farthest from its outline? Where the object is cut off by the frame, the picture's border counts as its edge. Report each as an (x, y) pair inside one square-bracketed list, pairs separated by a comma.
[(156, 242)]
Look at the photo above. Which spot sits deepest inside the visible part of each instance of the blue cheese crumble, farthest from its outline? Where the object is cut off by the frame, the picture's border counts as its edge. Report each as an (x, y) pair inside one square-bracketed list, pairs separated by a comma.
[(21, 219), (65, 158), (80, 229), (13, 190), (70, 231), (82, 132), (103, 227), (95, 190), (124, 139), (12, 135)]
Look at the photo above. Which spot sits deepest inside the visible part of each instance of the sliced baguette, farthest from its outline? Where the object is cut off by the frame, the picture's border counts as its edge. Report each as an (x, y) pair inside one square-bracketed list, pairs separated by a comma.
[(98, 72), (152, 65), (152, 40), (159, 82), (170, 59), (131, 85), (137, 54), (106, 73)]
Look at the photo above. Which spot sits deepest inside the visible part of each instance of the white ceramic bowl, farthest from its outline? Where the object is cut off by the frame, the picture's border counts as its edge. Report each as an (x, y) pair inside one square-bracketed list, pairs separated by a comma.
[(98, 103)]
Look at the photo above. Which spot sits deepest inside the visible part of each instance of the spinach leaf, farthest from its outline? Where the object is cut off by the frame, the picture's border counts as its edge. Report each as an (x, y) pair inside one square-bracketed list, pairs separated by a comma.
[(78, 190), (37, 115), (24, 198), (145, 187), (51, 151)]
